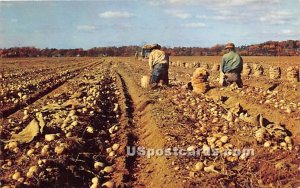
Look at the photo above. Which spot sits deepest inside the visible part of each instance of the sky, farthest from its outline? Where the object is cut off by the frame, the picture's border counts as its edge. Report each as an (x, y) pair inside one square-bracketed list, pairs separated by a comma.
[(197, 23)]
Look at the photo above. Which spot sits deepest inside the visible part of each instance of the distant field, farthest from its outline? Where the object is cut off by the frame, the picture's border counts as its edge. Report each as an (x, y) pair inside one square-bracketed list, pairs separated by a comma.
[(282, 61)]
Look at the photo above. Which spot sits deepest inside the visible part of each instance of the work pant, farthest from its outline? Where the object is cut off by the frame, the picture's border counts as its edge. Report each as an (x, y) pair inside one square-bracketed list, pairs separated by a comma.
[(160, 72), (232, 77)]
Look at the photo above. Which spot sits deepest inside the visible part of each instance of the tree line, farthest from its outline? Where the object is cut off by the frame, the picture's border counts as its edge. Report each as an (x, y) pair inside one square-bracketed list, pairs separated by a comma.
[(269, 48)]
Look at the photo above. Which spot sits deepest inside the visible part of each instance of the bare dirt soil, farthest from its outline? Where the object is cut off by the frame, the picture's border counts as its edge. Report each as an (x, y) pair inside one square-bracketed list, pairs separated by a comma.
[(88, 111)]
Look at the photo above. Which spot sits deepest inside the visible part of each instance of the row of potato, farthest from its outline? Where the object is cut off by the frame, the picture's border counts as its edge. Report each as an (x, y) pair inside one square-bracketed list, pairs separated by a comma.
[(15, 91), (10, 71), (74, 141), (275, 72)]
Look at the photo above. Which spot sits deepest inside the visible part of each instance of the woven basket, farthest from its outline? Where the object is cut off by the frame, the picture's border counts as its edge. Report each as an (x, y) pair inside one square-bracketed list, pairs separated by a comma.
[(145, 81)]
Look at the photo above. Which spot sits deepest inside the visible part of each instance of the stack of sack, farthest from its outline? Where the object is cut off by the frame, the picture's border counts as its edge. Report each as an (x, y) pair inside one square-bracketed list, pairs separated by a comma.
[(188, 65), (275, 72), (191, 65), (258, 70), (196, 64), (293, 74), (246, 69), (199, 80), (182, 64)]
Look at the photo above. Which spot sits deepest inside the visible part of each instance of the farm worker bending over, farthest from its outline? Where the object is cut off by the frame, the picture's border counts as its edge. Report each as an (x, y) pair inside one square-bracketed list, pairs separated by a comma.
[(159, 65), (231, 67)]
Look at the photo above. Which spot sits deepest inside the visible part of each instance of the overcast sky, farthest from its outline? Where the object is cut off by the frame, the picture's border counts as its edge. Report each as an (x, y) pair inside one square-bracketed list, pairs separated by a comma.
[(78, 24)]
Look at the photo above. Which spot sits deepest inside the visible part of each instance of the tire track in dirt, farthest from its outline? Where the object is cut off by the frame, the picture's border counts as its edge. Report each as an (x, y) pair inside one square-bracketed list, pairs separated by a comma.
[(9, 111), (144, 131)]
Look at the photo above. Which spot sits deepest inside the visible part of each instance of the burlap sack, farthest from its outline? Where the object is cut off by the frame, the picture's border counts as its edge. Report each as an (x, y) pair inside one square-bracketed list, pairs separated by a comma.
[(187, 65), (293, 74), (191, 65), (258, 70), (275, 72), (205, 66), (199, 80), (198, 65), (200, 72), (246, 69), (201, 88), (216, 67)]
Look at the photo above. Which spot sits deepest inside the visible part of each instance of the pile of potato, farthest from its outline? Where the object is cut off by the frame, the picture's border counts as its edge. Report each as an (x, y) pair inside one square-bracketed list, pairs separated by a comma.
[(215, 128), (78, 142)]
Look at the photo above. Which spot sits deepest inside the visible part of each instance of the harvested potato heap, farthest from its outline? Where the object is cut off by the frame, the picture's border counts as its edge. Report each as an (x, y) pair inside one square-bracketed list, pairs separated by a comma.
[(26, 87), (71, 140), (258, 70), (187, 65), (246, 69), (225, 130), (293, 74), (190, 65), (216, 67), (199, 80), (274, 136), (275, 72)]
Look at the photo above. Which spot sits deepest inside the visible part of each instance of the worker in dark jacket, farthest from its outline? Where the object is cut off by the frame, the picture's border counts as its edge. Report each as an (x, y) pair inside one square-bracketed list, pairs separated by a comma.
[(159, 65), (231, 67)]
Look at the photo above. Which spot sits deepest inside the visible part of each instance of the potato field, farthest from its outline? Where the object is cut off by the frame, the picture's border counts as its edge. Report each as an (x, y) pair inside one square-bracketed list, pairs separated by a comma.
[(74, 122)]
